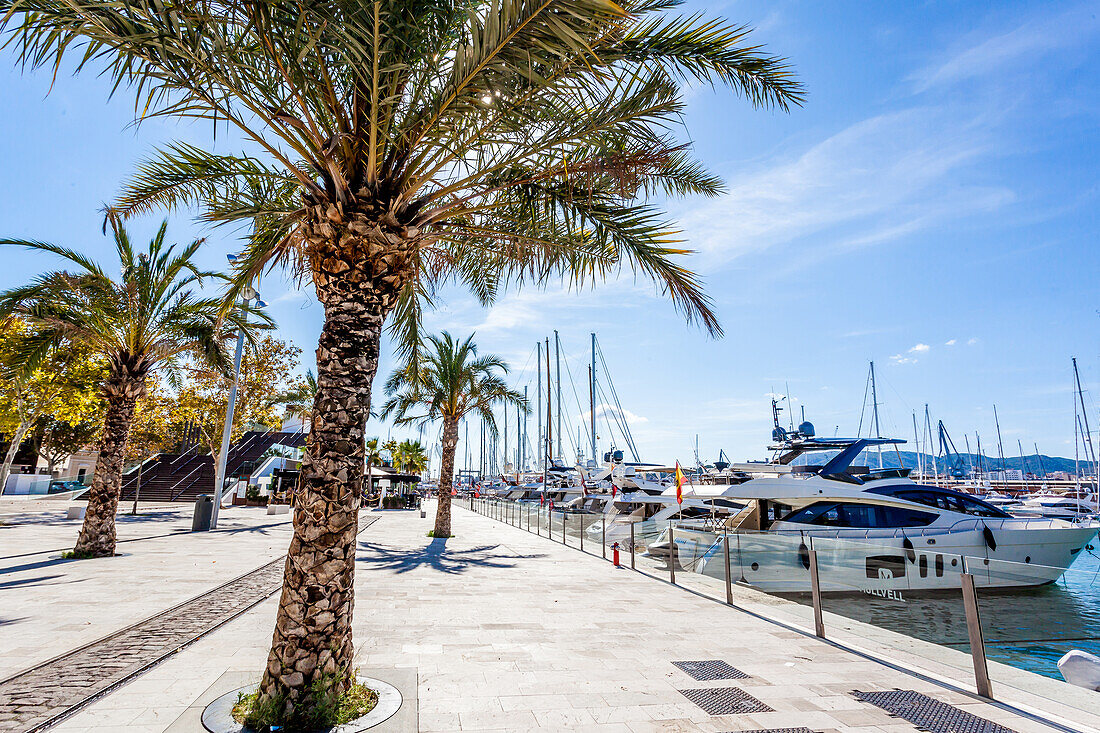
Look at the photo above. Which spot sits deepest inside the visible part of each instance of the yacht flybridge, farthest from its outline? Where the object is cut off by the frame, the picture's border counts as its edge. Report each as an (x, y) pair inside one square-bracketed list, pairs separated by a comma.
[(875, 530)]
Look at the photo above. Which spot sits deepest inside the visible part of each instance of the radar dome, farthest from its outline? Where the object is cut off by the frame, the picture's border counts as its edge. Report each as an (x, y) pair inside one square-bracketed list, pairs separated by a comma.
[(779, 434), (807, 429)]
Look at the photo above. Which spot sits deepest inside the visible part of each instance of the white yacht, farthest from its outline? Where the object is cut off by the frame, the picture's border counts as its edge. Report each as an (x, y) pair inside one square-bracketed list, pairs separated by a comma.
[(1057, 506), (875, 531)]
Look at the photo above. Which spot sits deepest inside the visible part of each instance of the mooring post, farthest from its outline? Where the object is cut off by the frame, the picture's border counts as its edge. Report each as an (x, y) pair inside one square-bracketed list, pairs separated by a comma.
[(974, 630), (603, 537), (729, 583), (632, 545), (671, 554), (815, 587)]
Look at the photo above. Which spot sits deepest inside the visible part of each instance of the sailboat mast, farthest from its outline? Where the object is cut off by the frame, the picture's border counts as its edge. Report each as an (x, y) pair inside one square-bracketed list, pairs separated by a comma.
[(928, 444), (538, 399), (916, 445), (1023, 464), (1000, 446), (557, 370), (549, 438), (1087, 434), (874, 402), (592, 401), (981, 458)]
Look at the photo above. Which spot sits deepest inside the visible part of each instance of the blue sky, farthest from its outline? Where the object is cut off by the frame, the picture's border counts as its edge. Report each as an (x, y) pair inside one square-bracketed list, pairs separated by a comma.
[(932, 207)]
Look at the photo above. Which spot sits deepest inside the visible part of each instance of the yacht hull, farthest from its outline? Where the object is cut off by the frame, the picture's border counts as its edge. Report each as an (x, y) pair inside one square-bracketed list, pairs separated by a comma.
[(887, 566)]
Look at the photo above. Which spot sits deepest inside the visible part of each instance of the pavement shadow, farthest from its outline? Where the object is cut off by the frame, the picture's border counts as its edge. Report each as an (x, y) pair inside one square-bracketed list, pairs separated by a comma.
[(436, 556), (28, 581)]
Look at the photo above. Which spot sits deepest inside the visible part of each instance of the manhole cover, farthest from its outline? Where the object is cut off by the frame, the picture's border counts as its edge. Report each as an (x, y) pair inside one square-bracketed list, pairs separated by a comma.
[(711, 669), (928, 714), (726, 701)]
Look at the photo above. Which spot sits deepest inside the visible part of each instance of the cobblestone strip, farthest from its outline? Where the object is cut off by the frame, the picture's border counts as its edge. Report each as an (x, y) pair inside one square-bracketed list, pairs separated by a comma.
[(39, 697)]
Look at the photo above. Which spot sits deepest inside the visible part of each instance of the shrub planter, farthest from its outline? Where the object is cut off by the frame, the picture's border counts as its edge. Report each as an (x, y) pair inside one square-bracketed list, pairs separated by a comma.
[(218, 715)]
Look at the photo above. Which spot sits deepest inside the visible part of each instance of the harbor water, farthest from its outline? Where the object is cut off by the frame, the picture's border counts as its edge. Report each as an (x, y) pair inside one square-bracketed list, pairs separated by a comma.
[(1027, 628)]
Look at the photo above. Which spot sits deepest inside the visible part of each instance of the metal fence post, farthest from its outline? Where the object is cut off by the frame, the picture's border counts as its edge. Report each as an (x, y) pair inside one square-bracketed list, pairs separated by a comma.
[(632, 545), (726, 548), (974, 630), (603, 537), (580, 530), (563, 516), (671, 554), (815, 587)]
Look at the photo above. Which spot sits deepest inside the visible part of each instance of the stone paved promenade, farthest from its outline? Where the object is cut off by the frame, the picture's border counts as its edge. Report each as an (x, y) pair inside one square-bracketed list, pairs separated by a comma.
[(494, 629)]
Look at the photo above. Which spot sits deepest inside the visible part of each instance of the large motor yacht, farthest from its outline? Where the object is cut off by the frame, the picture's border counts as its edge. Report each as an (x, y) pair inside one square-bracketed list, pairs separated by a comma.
[(874, 530)]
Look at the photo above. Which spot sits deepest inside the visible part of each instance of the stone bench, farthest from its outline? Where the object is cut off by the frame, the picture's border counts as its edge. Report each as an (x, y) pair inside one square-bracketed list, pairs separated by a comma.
[(278, 509)]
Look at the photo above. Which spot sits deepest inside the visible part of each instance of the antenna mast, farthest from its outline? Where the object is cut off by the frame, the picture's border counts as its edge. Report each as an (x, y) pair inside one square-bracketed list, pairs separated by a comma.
[(592, 401), (557, 364)]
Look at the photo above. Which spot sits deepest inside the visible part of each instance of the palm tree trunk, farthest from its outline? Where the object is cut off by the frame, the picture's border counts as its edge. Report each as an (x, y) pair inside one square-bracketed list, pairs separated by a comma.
[(97, 535), (311, 650), (446, 478)]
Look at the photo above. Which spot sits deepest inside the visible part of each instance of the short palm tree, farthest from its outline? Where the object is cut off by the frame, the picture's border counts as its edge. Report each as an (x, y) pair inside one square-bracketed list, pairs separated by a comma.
[(413, 457), (396, 145), (139, 321), (298, 401), (448, 382)]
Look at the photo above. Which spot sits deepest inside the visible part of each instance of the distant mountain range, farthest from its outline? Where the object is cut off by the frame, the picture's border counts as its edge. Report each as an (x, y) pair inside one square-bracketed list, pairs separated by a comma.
[(1036, 464)]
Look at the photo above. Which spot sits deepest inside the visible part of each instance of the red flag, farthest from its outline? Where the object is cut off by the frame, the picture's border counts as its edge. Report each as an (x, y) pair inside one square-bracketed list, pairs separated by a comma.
[(679, 484), (542, 499)]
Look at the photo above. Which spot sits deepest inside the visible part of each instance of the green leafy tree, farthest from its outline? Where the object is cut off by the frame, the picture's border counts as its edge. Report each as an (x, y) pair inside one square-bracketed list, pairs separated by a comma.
[(395, 147), (447, 383), (144, 319), (62, 385), (55, 440), (409, 457)]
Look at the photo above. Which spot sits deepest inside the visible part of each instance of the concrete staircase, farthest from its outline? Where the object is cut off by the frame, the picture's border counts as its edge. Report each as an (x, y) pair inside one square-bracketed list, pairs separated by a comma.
[(183, 476)]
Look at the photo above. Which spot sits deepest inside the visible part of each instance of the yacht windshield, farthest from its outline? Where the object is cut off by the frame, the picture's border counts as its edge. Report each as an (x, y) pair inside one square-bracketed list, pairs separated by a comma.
[(941, 499), (863, 516)]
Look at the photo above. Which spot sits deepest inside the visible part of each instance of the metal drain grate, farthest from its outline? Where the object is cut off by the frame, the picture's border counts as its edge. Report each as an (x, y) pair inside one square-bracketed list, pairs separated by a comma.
[(726, 701), (711, 669), (777, 730), (928, 714)]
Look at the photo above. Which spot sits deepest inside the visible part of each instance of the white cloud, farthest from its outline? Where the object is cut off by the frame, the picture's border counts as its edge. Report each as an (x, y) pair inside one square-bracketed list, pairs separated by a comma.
[(951, 342), (971, 341), (920, 349), (1023, 45), (878, 180), (610, 410), (902, 359)]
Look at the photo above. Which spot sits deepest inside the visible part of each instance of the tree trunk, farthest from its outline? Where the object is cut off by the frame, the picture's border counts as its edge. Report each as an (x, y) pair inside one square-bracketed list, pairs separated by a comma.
[(97, 535), (13, 448), (311, 651), (446, 478)]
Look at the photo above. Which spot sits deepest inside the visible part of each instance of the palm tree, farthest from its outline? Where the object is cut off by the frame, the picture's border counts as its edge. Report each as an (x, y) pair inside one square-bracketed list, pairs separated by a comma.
[(138, 322), (413, 457), (298, 401), (449, 382), (396, 146)]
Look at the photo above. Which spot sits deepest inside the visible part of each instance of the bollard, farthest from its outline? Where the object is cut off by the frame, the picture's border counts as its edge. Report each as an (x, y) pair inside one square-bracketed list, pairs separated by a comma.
[(671, 554), (615, 554), (974, 631), (726, 548), (632, 545), (815, 587), (603, 537)]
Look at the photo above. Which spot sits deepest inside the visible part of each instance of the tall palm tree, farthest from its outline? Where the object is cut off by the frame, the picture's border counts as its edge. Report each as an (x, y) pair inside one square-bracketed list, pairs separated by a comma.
[(139, 321), (447, 383), (396, 145)]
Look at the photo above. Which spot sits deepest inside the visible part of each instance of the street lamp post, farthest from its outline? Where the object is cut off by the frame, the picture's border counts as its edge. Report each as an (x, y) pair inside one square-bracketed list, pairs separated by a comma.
[(248, 294)]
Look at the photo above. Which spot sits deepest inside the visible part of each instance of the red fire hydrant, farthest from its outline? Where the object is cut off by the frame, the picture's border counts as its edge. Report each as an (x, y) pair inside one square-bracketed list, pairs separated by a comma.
[(615, 553)]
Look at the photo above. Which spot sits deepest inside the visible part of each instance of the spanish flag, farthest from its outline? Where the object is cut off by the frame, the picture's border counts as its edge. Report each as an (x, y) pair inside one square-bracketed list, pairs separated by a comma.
[(679, 484)]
